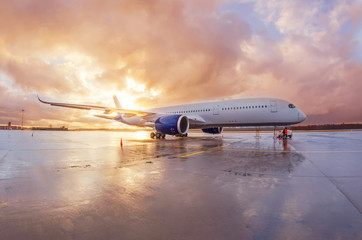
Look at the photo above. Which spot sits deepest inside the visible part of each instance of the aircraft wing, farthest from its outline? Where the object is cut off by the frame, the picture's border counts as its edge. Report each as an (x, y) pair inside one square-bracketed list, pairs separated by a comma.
[(107, 110)]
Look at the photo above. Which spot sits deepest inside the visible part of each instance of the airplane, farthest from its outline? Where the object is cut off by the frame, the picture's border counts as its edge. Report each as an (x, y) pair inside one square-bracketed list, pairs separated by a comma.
[(210, 117)]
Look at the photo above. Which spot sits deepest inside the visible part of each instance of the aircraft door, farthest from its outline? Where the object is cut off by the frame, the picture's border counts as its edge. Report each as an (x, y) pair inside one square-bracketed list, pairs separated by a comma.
[(273, 106), (216, 110)]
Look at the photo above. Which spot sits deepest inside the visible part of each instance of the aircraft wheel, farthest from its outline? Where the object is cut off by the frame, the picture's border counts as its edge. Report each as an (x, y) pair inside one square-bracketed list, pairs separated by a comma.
[(158, 135), (163, 136), (152, 135)]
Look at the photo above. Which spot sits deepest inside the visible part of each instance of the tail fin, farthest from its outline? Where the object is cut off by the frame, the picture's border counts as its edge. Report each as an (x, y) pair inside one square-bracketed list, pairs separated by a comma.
[(116, 102)]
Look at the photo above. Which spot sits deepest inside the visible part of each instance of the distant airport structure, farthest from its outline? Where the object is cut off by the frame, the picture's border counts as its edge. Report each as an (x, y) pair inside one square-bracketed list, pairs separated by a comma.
[(9, 127), (63, 128)]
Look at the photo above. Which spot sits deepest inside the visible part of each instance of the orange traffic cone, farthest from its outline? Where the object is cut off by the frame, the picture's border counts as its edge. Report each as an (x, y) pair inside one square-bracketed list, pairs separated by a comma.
[(121, 143)]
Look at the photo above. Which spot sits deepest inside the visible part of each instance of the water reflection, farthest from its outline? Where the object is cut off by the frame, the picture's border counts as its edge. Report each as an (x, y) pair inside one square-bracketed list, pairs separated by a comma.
[(141, 135), (261, 157), (84, 184)]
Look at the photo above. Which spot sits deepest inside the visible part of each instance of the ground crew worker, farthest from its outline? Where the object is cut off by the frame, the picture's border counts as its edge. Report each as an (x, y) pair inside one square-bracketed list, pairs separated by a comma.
[(285, 132)]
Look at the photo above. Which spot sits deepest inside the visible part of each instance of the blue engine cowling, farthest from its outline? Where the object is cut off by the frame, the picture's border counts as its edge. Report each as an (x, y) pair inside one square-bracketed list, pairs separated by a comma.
[(172, 124), (214, 130)]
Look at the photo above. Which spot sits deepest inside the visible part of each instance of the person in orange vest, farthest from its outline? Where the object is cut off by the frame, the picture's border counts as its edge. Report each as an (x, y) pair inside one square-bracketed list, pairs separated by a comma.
[(285, 132)]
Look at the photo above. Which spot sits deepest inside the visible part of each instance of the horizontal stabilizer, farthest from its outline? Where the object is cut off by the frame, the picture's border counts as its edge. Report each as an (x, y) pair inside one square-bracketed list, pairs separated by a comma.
[(105, 116)]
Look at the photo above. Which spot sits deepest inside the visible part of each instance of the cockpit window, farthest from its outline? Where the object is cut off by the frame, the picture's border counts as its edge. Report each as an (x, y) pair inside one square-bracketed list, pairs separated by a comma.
[(291, 106)]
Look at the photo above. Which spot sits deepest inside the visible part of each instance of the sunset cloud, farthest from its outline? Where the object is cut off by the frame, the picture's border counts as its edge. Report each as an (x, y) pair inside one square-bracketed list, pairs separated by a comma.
[(178, 52)]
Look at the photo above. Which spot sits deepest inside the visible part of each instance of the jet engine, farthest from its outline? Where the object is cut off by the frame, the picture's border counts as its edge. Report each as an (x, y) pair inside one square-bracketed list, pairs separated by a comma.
[(172, 124), (215, 130)]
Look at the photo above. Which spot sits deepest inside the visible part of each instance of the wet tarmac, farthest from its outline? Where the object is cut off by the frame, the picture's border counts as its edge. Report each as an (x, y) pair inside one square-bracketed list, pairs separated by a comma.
[(84, 185)]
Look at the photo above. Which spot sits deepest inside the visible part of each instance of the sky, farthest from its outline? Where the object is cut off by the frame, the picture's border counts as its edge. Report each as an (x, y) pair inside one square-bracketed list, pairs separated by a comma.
[(153, 53)]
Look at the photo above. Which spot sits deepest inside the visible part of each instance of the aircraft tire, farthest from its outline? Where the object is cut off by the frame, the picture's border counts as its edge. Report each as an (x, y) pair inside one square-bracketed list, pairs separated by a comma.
[(152, 135)]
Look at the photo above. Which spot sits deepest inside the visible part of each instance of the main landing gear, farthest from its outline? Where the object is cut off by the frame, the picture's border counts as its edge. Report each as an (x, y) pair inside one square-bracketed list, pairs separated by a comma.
[(157, 135)]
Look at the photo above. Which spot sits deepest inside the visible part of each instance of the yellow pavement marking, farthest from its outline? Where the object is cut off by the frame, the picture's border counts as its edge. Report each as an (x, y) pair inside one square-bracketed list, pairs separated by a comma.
[(267, 151), (192, 154), (291, 151)]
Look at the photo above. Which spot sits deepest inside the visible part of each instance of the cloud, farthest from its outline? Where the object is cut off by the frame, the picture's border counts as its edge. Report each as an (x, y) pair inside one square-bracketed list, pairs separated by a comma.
[(85, 51), (311, 61)]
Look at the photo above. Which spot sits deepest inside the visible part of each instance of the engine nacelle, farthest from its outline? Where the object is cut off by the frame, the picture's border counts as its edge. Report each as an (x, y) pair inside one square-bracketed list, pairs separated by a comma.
[(215, 130), (172, 124)]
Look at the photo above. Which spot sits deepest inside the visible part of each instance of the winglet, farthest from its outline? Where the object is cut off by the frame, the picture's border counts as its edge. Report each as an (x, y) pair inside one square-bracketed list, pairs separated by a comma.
[(41, 100)]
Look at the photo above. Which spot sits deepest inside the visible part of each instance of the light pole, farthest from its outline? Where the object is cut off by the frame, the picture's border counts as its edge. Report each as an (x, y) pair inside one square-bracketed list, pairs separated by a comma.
[(22, 119)]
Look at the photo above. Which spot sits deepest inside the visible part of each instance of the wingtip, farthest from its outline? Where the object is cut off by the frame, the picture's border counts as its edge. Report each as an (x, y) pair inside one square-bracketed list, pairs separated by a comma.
[(40, 99)]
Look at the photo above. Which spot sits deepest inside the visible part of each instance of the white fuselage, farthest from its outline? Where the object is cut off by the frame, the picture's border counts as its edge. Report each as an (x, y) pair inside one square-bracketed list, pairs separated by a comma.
[(239, 112)]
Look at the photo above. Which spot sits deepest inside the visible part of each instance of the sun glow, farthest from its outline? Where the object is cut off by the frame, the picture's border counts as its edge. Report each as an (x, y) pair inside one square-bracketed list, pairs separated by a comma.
[(113, 114), (141, 135), (136, 87), (133, 91)]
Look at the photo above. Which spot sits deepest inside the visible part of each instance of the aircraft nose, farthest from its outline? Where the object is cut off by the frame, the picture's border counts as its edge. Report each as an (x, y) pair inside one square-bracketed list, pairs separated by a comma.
[(301, 116)]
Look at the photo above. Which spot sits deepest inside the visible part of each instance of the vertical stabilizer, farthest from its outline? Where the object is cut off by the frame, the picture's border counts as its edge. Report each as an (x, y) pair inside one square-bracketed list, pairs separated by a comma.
[(116, 102)]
